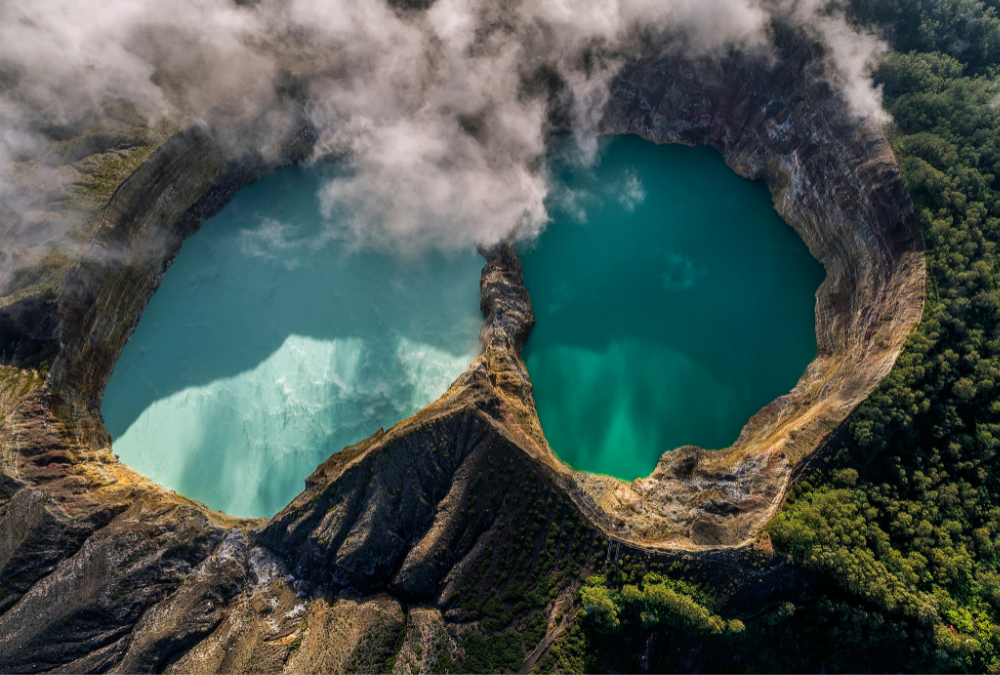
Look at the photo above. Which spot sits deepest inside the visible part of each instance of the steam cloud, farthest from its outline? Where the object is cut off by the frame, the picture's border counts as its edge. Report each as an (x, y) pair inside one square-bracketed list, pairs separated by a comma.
[(436, 112)]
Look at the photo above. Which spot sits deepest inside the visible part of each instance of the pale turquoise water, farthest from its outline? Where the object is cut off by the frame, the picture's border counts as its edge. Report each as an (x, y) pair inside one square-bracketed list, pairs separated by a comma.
[(672, 304), (268, 347)]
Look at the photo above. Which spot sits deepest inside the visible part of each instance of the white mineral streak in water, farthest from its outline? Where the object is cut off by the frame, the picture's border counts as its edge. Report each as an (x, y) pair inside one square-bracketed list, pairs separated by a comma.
[(268, 348), (259, 424)]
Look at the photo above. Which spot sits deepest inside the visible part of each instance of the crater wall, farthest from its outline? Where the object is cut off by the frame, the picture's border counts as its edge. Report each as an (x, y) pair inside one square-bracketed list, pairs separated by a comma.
[(835, 181)]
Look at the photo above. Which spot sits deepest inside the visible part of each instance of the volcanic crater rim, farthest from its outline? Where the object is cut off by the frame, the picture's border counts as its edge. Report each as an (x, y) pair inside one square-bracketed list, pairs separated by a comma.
[(833, 179)]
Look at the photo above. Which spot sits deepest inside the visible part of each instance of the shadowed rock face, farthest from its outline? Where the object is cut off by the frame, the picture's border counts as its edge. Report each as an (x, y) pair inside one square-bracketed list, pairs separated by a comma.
[(101, 569)]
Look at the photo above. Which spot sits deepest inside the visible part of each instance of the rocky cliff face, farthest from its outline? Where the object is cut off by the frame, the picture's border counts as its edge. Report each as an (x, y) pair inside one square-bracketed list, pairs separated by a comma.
[(397, 545)]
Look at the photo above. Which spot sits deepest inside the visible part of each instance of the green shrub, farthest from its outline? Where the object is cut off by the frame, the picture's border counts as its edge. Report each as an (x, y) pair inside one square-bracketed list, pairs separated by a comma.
[(490, 654)]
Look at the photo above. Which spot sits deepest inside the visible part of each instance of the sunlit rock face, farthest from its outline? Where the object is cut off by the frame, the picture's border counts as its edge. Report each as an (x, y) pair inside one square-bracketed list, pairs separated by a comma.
[(272, 345)]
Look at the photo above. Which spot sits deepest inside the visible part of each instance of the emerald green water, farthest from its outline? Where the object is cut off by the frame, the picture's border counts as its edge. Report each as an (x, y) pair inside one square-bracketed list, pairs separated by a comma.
[(270, 345), (672, 304)]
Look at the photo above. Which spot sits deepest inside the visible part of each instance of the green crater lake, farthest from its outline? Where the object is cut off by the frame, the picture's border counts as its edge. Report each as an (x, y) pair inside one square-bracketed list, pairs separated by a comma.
[(672, 304), (270, 345)]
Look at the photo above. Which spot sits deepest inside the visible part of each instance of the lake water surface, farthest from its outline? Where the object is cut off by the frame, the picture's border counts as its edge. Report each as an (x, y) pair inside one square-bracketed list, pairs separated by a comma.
[(672, 304), (269, 346)]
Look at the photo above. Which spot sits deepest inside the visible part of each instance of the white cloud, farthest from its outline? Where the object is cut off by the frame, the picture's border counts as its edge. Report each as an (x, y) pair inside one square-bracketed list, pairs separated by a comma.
[(433, 110)]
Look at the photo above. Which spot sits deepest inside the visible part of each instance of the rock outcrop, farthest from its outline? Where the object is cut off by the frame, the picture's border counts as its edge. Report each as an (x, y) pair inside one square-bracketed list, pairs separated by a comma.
[(375, 565)]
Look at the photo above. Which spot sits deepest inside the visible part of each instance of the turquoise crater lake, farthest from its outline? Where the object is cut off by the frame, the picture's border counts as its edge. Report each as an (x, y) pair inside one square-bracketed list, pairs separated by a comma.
[(270, 345), (672, 304)]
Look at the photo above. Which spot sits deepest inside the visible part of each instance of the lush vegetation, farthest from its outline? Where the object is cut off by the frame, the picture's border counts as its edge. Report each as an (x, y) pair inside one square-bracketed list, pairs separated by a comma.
[(657, 600), (967, 30), (642, 614), (490, 654), (905, 522)]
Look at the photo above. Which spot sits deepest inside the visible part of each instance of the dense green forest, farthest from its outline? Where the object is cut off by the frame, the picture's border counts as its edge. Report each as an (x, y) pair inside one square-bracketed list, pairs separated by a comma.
[(900, 529), (908, 519)]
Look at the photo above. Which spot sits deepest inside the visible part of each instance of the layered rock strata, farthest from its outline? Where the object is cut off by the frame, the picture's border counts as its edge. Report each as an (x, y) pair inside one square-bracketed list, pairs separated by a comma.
[(101, 569)]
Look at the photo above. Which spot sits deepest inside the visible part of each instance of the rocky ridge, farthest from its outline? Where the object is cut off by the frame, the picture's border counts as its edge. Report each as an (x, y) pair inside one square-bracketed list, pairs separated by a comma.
[(395, 543)]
